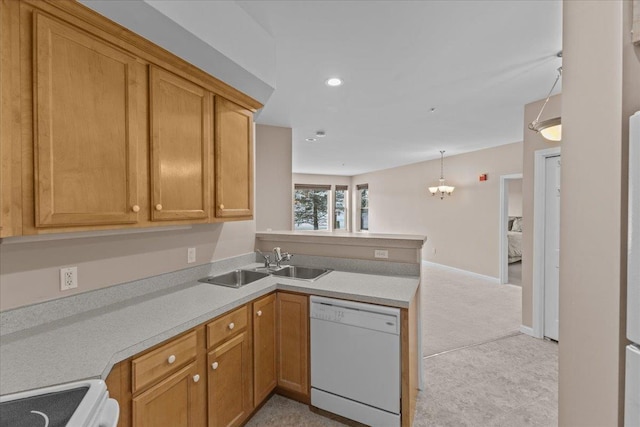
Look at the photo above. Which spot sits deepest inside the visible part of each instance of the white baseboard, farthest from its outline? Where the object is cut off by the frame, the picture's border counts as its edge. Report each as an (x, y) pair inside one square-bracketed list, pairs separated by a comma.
[(527, 331), (459, 270)]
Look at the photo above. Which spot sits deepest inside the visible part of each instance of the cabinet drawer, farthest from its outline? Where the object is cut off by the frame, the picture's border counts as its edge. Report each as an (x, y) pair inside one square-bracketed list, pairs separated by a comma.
[(226, 326), (159, 362)]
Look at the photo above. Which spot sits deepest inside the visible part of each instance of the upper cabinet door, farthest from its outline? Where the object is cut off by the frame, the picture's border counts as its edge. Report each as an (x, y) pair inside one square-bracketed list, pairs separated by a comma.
[(234, 160), (84, 129), (180, 114)]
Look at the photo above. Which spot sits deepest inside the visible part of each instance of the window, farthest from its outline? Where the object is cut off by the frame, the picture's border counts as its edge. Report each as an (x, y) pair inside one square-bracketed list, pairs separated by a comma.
[(311, 207), (363, 198), (340, 207)]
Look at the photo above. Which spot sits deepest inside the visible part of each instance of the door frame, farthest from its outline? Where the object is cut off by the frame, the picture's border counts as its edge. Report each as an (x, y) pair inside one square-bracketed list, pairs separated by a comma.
[(539, 179), (504, 219)]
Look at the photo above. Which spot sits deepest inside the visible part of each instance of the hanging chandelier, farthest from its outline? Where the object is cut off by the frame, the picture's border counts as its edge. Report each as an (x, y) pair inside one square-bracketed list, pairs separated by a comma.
[(550, 129), (441, 189)]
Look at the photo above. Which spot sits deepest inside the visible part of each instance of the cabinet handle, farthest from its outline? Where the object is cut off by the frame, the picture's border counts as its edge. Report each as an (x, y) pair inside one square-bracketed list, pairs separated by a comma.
[(171, 359), (221, 206), (158, 207), (196, 378), (135, 208), (259, 313), (214, 365), (232, 325)]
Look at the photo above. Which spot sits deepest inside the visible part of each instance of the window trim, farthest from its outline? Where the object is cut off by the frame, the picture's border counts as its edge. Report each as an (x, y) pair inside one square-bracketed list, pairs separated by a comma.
[(359, 188)]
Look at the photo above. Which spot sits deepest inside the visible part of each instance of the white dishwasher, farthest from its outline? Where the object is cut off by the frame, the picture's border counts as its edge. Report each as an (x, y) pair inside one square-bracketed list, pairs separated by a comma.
[(355, 360)]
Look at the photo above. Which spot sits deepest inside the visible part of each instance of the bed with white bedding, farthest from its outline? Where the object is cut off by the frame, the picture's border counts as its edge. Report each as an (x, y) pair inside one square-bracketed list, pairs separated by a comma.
[(514, 236)]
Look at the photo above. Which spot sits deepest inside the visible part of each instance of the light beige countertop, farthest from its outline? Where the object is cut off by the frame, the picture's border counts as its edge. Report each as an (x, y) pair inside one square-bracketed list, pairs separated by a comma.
[(87, 345)]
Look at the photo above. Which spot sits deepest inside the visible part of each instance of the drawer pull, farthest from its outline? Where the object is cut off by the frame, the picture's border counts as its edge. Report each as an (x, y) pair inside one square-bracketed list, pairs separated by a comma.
[(231, 325), (214, 365), (196, 378), (171, 359), (135, 208), (259, 313), (158, 207)]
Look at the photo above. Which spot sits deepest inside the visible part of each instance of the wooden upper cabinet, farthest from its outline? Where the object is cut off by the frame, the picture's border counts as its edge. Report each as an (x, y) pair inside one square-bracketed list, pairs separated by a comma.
[(84, 128), (233, 143), (180, 114)]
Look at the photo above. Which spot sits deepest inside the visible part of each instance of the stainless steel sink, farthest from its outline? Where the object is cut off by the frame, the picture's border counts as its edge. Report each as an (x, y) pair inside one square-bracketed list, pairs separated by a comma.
[(235, 279), (301, 273)]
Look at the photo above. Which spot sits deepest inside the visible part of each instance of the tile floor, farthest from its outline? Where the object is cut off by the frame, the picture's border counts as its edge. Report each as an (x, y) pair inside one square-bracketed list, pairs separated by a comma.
[(508, 380)]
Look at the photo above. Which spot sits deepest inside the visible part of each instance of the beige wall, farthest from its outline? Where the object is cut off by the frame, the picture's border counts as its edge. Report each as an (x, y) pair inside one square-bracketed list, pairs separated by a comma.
[(462, 229), (600, 91), (532, 143), (273, 178), (29, 272), (515, 197)]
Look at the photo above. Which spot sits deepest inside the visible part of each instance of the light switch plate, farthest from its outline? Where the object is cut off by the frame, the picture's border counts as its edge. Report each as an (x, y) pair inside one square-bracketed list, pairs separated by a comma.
[(191, 255)]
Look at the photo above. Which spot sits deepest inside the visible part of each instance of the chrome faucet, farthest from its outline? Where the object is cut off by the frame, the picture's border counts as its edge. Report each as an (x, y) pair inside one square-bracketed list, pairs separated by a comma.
[(280, 256), (267, 259)]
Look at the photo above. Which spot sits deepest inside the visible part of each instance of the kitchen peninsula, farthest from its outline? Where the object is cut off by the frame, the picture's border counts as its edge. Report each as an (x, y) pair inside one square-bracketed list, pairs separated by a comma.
[(130, 341)]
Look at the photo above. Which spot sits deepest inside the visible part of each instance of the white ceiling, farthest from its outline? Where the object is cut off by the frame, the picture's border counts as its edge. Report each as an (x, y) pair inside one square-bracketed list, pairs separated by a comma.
[(477, 62)]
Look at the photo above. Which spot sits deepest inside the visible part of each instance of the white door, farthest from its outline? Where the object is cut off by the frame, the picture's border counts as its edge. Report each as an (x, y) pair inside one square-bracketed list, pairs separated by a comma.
[(552, 247)]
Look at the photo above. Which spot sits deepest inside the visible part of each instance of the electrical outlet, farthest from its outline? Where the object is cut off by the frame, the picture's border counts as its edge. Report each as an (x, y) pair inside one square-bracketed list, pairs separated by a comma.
[(191, 255), (381, 253), (68, 278)]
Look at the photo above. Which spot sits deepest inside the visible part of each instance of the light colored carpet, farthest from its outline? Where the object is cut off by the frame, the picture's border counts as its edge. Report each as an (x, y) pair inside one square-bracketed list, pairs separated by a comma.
[(461, 309)]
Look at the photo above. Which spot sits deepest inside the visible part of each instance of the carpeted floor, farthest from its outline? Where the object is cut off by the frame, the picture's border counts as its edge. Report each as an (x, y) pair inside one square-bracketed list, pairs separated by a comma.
[(480, 372), (461, 309)]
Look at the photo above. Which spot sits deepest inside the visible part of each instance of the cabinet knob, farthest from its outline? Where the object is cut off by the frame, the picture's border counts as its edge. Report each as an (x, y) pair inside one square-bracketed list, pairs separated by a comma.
[(158, 207), (196, 378), (171, 359), (214, 365), (135, 208), (259, 313), (221, 206), (232, 325)]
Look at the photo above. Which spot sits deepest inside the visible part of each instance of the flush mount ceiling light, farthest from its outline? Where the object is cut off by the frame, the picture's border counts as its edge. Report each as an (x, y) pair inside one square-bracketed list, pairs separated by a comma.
[(550, 129), (334, 81), (441, 189)]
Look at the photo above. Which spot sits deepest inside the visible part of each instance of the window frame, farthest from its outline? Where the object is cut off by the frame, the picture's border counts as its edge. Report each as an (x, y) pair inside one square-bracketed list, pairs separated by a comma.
[(344, 188), (315, 187), (359, 190)]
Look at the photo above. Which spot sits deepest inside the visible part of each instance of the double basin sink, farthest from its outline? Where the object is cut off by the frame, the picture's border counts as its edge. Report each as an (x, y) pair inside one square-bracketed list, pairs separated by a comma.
[(238, 278)]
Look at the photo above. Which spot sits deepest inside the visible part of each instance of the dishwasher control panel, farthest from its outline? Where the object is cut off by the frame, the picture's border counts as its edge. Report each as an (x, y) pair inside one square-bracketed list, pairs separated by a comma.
[(368, 316)]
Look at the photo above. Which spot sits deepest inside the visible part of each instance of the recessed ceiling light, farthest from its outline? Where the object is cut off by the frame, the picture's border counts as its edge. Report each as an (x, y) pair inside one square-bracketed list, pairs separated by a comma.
[(320, 134), (334, 81), (311, 139)]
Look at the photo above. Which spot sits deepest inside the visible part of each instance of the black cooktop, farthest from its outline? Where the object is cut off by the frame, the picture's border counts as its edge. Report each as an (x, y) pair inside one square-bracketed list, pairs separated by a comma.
[(44, 410)]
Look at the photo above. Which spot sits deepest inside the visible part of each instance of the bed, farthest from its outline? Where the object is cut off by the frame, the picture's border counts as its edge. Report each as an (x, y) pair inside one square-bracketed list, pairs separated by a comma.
[(514, 236)]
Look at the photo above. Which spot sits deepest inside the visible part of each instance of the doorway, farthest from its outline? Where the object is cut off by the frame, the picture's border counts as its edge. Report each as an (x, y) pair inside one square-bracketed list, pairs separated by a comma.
[(511, 229), (546, 243)]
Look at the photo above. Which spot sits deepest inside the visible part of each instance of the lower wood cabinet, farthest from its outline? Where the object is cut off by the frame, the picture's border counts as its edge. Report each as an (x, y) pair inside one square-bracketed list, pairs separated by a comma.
[(172, 402), (264, 348), (293, 345), (230, 379)]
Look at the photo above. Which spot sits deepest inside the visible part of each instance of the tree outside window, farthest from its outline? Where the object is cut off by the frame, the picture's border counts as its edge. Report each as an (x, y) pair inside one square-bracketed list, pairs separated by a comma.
[(340, 217), (311, 207), (363, 197)]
